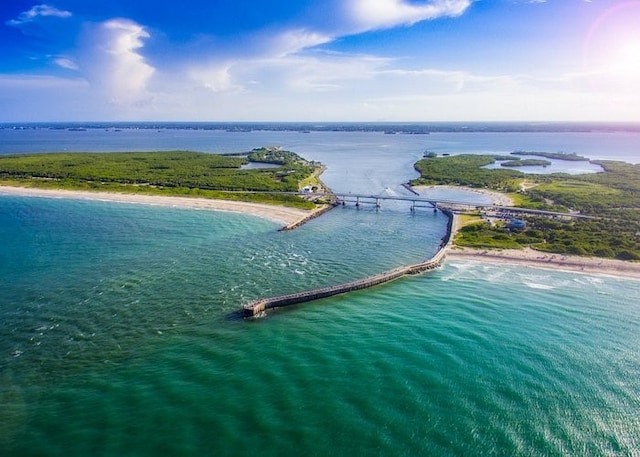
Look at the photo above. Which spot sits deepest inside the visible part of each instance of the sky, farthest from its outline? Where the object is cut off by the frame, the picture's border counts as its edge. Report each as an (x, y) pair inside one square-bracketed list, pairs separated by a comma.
[(320, 60)]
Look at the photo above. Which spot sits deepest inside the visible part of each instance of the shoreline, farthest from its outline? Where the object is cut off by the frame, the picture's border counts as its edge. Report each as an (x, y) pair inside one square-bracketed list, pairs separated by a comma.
[(530, 257), (497, 198), (279, 214), (291, 218), (537, 259)]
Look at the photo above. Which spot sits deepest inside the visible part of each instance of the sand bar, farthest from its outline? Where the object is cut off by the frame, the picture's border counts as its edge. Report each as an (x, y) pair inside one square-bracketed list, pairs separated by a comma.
[(279, 214)]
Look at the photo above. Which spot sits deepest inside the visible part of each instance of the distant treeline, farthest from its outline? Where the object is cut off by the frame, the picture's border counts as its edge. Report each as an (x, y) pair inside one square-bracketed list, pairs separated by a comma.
[(388, 127), (572, 156), (525, 163)]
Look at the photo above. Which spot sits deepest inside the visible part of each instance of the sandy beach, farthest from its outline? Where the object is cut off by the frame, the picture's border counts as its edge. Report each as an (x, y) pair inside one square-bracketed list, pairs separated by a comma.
[(279, 214), (538, 259), (497, 198), (531, 257)]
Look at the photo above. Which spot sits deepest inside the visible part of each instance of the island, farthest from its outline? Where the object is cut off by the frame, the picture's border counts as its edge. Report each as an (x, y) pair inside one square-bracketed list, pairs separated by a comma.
[(525, 163)]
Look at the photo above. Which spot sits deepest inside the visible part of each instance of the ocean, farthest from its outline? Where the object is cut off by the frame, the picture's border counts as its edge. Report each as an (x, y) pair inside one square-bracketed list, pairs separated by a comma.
[(120, 331)]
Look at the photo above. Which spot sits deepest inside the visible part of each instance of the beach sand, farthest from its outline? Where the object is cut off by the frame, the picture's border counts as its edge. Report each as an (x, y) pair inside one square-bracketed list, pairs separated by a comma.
[(497, 198), (537, 259), (279, 214)]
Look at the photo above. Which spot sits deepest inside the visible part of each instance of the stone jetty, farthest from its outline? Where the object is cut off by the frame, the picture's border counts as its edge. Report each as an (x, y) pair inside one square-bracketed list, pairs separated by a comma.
[(258, 307)]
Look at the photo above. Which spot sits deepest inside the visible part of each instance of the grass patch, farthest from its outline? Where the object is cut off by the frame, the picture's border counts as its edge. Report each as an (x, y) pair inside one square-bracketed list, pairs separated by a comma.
[(580, 189)]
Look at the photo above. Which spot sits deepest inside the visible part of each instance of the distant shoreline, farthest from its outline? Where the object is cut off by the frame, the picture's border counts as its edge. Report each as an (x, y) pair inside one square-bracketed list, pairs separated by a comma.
[(280, 214)]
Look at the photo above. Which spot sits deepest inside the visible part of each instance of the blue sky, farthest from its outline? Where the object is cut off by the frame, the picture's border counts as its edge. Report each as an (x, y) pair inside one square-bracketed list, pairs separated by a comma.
[(320, 60)]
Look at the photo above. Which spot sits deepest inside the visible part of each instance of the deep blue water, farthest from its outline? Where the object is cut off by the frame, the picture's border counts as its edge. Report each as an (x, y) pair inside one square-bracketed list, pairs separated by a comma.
[(120, 335)]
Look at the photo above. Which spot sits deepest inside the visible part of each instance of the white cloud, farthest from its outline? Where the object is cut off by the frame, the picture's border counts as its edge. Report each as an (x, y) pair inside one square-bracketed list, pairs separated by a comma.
[(214, 77), (295, 40), (111, 61), (282, 75), (379, 14), (36, 12), (66, 62), (291, 47)]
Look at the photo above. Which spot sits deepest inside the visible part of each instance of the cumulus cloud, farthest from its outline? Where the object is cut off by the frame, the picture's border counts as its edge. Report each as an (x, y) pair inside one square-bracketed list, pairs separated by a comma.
[(266, 68), (112, 63), (343, 18), (215, 78), (36, 12), (379, 14)]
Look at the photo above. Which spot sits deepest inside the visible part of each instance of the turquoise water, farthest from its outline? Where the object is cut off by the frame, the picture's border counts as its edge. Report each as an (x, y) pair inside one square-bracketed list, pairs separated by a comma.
[(120, 334)]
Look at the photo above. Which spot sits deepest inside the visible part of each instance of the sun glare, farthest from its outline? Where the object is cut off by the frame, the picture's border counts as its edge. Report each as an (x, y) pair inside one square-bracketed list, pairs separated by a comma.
[(627, 60), (611, 54)]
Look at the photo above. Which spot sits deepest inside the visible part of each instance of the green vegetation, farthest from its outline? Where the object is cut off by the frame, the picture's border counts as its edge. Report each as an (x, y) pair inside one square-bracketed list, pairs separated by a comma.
[(615, 193), (163, 173), (465, 170), (525, 163), (598, 238), (611, 198), (277, 156), (553, 155)]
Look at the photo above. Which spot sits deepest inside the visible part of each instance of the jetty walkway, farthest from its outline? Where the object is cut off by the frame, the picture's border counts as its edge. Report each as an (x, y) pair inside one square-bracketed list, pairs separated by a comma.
[(258, 307)]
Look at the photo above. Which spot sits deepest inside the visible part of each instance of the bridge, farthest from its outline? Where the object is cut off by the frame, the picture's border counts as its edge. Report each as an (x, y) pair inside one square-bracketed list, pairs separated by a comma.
[(417, 201)]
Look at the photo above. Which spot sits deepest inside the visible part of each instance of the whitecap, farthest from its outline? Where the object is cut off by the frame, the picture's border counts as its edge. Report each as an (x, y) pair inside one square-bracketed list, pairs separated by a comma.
[(536, 285)]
